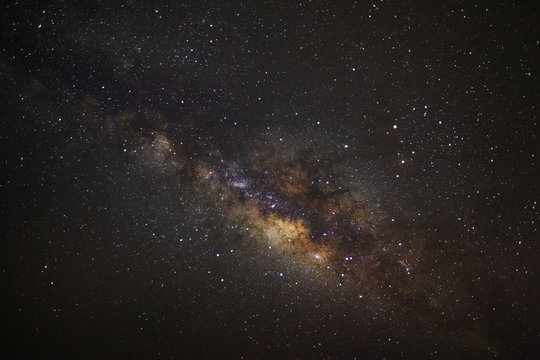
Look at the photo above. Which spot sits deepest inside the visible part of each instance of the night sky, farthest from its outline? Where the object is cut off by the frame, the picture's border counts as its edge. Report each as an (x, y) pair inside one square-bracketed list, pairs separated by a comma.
[(269, 179)]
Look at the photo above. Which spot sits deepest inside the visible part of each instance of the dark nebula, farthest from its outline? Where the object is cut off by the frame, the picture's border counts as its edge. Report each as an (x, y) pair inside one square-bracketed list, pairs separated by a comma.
[(269, 180)]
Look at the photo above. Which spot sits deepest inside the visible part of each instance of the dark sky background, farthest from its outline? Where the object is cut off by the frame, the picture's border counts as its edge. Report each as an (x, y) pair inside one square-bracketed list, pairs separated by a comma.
[(269, 179)]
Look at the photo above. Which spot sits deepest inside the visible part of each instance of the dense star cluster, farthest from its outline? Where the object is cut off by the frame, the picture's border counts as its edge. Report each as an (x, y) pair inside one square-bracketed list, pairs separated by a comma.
[(269, 180)]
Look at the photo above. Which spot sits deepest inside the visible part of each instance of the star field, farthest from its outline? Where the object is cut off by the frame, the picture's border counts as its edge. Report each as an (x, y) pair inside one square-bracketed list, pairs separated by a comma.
[(269, 180)]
